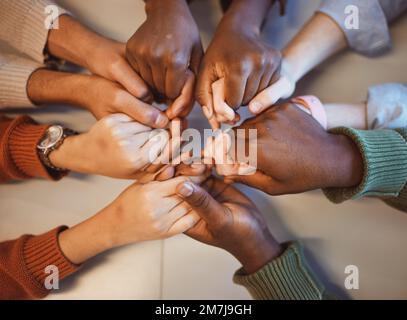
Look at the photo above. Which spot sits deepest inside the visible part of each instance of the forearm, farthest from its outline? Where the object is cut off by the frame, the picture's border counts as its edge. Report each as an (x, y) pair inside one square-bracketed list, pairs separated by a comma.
[(46, 86), (246, 14), (346, 115), (73, 42), (318, 40), (87, 239)]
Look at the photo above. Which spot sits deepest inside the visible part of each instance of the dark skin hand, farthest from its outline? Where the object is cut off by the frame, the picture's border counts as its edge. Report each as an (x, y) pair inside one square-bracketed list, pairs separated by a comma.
[(295, 154), (239, 55), (229, 220), (166, 47)]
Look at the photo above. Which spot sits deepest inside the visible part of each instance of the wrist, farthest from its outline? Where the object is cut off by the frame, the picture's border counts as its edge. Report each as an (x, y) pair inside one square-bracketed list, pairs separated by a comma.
[(344, 168), (67, 156), (153, 6), (85, 240), (73, 42), (252, 12), (259, 255)]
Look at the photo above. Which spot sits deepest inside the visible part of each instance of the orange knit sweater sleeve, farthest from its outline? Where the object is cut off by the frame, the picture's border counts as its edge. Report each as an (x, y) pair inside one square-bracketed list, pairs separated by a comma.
[(18, 148), (23, 262)]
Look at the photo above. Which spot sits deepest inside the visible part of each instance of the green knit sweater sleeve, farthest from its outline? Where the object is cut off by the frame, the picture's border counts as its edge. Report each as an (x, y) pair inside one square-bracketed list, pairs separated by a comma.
[(384, 154), (286, 278)]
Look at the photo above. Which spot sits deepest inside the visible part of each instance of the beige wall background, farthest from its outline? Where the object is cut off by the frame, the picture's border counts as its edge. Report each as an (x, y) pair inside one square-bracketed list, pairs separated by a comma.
[(364, 233)]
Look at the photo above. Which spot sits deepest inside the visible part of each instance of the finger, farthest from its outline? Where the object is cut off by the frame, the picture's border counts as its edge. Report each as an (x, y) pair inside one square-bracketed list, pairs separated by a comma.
[(201, 202), (235, 86), (203, 91), (184, 224), (269, 96), (183, 104), (124, 74), (154, 147), (166, 174), (196, 58), (159, 74), (266, 79), (177, 212), (141, 111), (168, 188), (145, 73), (222, 110), (258, 180), (175, 78), (252, 87), (190, 170)]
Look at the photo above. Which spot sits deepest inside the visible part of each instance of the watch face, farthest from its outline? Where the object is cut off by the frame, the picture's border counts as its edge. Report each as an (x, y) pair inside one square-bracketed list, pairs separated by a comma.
[(51, 137)]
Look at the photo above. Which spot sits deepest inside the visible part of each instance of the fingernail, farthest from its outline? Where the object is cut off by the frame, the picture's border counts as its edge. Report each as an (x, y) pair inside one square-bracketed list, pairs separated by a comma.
[(186, 189), (161, 120), (255, 107)]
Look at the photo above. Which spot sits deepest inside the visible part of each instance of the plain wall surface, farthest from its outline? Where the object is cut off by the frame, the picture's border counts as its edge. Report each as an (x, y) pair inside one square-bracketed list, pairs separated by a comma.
[(365, 233)]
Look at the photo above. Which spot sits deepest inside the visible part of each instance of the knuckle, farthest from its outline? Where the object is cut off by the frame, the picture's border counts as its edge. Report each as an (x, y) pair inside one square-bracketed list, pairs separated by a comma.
[(243, 67), (177, 60)]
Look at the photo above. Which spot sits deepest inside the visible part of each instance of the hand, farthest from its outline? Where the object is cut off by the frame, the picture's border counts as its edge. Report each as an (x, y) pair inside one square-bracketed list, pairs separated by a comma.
[(103, 97), (237, 54), (295, 154), (116, 146), (229, 220), (165, 47), (100, 96), (133, 217), (101, 56)]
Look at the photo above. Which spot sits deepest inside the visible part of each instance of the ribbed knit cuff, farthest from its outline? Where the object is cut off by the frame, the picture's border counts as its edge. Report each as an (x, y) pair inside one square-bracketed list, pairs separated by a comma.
[(384, 154), (40, 252), (23, 25), (14, 75), (286, 278), (20, 150)]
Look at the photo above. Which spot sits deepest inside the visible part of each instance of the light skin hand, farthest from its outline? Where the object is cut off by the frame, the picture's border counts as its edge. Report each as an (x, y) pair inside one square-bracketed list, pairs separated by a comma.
[(229, 220), (116, 146), (304, 156), (239, 56), (166, 48), (98, 95), (318, 40), (133, 217)]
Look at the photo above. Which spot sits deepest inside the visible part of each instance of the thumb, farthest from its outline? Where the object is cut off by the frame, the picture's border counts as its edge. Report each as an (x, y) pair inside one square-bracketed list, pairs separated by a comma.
[(283, 88), (200, 201)]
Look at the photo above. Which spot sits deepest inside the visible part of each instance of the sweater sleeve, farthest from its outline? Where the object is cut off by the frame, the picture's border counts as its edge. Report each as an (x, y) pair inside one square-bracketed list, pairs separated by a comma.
[(384, 154), (24, 262), (370, 32), (25, 24), (18, 144), (15, 72), (286, 278)]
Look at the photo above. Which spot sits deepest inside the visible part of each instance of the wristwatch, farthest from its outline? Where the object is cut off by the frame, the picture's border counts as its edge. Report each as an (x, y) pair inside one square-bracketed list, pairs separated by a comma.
[(53, 138)]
